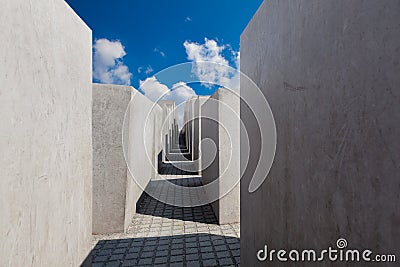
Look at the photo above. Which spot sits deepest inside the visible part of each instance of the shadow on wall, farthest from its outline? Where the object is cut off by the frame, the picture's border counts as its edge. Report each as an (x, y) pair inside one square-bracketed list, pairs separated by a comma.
[(195, 249)]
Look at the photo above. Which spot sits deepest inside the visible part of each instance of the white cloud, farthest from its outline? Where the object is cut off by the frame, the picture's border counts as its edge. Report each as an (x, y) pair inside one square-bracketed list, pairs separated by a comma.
[(146, 70), (153, 89), (237, 60), (108, 65), (156, 50), (188, 19), (219, 73), (180, 92)]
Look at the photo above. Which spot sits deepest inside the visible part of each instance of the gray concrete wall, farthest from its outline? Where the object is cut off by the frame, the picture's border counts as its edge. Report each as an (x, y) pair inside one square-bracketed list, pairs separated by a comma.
[(110, 170), (143, 146), (168, 116), (220, 123), (45, 134), (196, 127), (202, 100), (330, 72), (116, 185)]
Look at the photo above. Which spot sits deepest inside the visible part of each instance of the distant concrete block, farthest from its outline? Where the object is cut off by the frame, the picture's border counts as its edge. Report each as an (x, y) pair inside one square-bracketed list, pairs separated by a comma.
[(330, 72), (220, 124), (45, 135)]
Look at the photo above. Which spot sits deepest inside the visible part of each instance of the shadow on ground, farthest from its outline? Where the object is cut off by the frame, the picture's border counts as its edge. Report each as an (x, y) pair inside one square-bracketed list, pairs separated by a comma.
[(201, 214), (176, 199), (181, 250)]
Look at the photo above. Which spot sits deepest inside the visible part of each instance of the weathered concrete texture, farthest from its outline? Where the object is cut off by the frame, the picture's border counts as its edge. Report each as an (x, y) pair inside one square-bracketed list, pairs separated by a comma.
[(142, 149), (46, 134), (110, 170), (115, 191), (330, 71), (220, 124)]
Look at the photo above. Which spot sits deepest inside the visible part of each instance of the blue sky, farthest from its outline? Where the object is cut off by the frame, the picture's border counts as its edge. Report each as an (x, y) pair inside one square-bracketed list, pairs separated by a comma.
[(133, 40)]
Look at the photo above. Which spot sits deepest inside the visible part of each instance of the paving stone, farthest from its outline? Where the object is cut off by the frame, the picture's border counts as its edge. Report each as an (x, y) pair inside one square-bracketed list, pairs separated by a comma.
[(191, 257), (113, 264), (191, 245), (123, 245), (163, 253), (120, 251), (225, 261), (207, 256), (164, 242), (207, 263), (205, 244), (159, 260), (221, 248), (116, 257), (236, 252), (234, 246), (164, 235), (177, 264), (149, 248), (191, 250), (177, 246), (176, 258), (193, 264), (129, 263), (176, 252), (147, 254), (100, 259), (164, 247), (134, 255), (223, 254), (145, 261), (105, 252), (135, 249), (206, 249)]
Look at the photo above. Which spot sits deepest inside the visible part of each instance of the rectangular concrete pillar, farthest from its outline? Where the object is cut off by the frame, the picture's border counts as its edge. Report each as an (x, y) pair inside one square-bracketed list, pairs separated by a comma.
[(192, 111), (330, 72), (220, 123), (167, 124), (116, 185), (45, 135), (110, 103), (144, 145)]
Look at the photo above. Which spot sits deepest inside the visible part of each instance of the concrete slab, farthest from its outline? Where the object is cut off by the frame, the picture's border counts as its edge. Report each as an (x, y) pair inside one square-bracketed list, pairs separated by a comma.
[(46, 135), (221, 132), (117, 186), (329, 70)]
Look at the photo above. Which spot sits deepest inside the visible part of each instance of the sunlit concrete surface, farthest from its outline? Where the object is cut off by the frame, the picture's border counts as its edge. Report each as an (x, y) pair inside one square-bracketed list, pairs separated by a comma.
[(116, 185), (46, 135), (220, 124), (142, 147)]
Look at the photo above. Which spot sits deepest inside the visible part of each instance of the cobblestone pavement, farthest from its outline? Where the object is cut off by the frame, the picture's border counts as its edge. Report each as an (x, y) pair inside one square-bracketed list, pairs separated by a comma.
[(166, 235)]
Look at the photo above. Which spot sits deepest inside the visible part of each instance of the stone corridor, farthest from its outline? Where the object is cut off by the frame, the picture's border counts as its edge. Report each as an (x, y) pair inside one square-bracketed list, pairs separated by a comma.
[(166, 235)]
